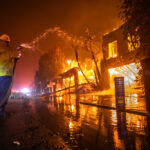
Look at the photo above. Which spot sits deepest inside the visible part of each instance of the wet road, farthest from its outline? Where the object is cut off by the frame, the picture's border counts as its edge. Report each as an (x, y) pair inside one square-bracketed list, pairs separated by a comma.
[(93, 128)]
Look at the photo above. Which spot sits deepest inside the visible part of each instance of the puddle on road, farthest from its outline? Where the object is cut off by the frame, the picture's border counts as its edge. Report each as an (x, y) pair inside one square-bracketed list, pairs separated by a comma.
[(93, 128)]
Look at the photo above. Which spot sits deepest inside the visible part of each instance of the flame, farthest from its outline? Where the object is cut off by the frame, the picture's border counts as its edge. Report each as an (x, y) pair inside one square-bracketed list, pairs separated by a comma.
[(69, 61), (87, 69), (129, 72), (112, 49), (70, 124)]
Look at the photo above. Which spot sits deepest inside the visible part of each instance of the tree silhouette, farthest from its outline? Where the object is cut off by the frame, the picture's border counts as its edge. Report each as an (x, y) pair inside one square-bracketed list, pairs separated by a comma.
[(136, 17), (50, 65)]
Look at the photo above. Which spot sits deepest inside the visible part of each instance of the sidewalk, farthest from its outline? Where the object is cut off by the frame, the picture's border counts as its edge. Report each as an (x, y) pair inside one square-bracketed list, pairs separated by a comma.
[(133, 104), (22, 130)]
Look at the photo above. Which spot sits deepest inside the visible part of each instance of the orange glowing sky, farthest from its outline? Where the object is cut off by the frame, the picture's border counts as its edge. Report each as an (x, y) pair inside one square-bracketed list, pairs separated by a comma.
[(23, 20)]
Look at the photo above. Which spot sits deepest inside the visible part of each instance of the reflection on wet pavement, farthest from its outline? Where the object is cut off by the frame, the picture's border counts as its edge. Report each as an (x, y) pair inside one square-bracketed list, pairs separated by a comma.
[(92, 128)]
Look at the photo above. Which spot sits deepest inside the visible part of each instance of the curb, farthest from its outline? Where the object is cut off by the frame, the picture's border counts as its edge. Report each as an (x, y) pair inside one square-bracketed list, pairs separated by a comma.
[(121, 110)]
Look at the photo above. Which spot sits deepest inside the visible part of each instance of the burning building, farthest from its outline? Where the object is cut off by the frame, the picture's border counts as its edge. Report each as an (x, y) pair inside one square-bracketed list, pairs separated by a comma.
[(70, 81), (121, 59)]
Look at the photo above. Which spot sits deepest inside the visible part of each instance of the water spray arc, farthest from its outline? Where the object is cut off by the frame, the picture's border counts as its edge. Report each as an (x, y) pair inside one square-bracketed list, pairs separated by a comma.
[(55, 30), (77, 41)]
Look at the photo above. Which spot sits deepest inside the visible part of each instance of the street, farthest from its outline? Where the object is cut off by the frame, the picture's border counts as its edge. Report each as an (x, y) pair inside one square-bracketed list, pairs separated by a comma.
[(64, 123)]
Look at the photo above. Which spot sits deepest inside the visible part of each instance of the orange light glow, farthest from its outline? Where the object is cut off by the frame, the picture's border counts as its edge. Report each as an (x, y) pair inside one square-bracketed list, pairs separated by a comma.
[(118, 142), (69, 61), (112, 49), (129, 72), (136, 122), (70, 124), (87, 69)]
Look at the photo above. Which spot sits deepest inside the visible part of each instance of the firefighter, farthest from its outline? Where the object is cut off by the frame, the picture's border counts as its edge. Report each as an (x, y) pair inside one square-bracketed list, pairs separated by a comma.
[(8, 59)]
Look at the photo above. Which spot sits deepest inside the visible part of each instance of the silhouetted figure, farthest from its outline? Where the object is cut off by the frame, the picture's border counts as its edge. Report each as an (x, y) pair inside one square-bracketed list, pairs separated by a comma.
[(8, 59)]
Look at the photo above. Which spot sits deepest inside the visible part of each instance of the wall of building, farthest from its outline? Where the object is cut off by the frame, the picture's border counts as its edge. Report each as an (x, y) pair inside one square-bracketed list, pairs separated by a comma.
[(122, 43), (123, 57)]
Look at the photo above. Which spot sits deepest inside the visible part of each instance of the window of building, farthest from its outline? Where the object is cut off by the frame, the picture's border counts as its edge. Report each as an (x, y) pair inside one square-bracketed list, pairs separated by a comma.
[(112, 47), (132, 47)]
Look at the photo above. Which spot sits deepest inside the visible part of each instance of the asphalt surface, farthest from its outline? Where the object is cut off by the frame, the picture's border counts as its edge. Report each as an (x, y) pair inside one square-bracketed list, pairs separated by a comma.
[(22, 129), (85, 122)]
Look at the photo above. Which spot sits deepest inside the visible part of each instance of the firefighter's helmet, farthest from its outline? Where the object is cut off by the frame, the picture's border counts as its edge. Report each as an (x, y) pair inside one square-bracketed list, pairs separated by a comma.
[(5, 37)]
